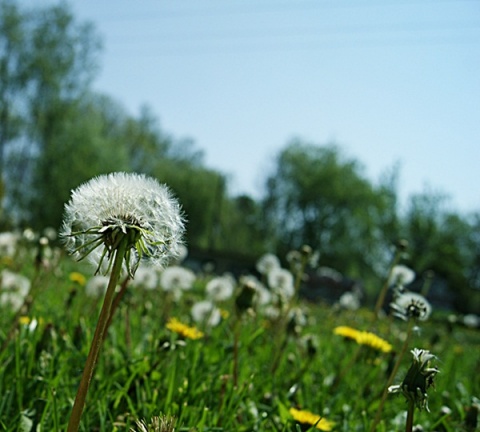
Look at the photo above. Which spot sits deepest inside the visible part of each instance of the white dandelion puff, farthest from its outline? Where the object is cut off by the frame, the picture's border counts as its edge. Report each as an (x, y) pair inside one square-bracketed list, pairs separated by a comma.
[(267, 262), (411, 305), (96, 286), (177, 279), (220, 288), (281, 282), (110, 208), (401, 275), (205, 312), (14, 288)]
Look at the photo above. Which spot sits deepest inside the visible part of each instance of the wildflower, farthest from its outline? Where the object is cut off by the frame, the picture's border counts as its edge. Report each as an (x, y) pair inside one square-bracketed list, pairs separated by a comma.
[(164, 423), (220, 288), (281, 282), (345, 331), (14, 288), (373, 341), (244, 299), (267, 262), (349, 300), (297, 320), (96, 286), (78, 278), (418, 380), (184, 330), (309, 418), (30, 323), (206, 312), (8, 244), (146, 278), (177, 279), (299, 259), (471, 321), (411, 305), (182, 253), (50, 233), (262, 295), (401, 275), (118, 207), (364, 338)]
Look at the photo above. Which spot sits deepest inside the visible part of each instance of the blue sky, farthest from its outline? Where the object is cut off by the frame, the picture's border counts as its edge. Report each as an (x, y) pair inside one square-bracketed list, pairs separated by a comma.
[(388, 81)]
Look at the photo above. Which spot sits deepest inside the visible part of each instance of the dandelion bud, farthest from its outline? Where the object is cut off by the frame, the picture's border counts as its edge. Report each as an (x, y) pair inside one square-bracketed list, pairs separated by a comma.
[(419, 378), (402, 245), (306, 251), (244, 300)]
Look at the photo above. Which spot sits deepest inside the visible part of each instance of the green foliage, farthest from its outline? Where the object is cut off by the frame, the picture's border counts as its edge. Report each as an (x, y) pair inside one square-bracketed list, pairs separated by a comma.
[(50, 63), (317, 197), (444, 242), (145, 370), (55, 133)]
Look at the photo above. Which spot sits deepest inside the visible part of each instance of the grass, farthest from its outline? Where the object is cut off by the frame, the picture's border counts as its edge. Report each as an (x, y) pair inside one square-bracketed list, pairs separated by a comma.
[(146, 370)]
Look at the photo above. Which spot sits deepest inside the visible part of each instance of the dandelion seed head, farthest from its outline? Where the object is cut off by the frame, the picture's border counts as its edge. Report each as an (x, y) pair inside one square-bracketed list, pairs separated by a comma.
[(205, 312), (411, 305), (177, 279), (8, 244), (13, 289), (220, 288), (96, 286), (401, 275), (267, 262), (108, 206), (281, 282)]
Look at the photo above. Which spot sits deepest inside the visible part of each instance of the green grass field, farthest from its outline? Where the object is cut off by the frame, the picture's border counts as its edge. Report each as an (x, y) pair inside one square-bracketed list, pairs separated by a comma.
[(244, 374)]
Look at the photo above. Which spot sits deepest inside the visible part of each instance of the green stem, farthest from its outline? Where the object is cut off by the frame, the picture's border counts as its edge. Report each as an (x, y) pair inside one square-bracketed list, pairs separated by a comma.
[(236, 337), (82, 391), (410, 412), (383, 291), (392, 375)]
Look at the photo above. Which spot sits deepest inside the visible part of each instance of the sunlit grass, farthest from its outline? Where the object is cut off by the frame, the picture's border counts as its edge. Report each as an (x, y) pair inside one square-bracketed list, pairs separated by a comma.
[(147, 370)]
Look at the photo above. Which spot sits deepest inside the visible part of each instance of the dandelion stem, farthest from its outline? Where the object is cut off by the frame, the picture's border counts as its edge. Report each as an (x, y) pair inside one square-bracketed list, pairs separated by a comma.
[(84, 385), (383, 291), (392, 375), (236, 336), (410, 412)]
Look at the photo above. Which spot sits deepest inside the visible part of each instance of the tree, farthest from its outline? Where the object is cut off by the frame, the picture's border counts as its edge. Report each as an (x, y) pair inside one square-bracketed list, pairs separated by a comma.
[(47, 63), (201, 192), (85, 145), (316, 196), (445, 243)]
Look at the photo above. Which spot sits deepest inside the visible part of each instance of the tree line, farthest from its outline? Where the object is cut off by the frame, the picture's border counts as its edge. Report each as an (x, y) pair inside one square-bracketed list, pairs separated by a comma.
[(56, 132)]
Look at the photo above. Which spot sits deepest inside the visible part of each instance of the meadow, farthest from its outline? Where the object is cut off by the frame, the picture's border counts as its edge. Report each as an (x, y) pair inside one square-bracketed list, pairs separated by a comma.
[(243, 365)]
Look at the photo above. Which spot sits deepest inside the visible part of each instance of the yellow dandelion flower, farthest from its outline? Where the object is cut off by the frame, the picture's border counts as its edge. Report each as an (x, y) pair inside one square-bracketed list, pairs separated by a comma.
[(307, 417), (6, 261), (184, 330), (224, 313), (346, 331), (78, 278), (364, 338), (373, 341), (31, 322), (24, 320)]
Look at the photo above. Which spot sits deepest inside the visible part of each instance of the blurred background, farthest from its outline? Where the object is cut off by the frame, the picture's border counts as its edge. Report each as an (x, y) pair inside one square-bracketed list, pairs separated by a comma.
[(338, 124)]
